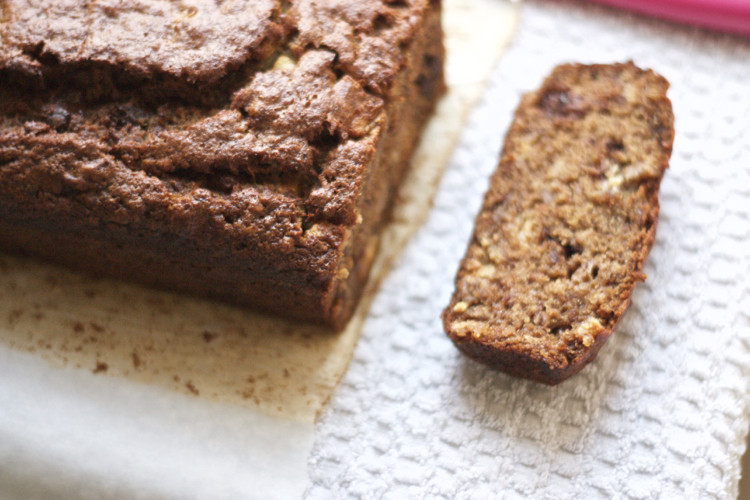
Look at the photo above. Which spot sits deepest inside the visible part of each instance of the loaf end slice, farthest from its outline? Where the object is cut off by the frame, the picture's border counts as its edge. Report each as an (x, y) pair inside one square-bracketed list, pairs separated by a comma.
[(566, 224)]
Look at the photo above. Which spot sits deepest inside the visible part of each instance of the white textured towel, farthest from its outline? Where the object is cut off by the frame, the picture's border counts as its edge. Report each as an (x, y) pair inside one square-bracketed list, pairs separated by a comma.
[(663, 411)]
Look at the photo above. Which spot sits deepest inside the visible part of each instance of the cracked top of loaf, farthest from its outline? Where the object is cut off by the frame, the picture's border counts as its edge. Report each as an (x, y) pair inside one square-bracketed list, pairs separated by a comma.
[(202, 41), (246, 117)]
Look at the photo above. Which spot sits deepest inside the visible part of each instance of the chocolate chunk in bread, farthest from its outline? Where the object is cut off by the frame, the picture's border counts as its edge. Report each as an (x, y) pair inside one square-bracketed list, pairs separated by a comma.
[(242, 150), (566, 224)]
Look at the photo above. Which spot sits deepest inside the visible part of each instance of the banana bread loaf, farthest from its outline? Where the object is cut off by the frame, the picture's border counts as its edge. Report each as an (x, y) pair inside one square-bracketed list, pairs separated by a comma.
[(566, 224), (246, 151)]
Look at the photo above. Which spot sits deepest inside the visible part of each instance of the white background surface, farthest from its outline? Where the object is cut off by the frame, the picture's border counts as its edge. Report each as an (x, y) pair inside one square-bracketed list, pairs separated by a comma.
[(663, 411), (67, 435)]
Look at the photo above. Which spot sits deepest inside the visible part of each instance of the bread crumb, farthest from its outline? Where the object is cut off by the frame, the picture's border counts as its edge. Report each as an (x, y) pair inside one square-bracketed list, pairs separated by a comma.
[(460, 306), (486, 271), (284, 62)]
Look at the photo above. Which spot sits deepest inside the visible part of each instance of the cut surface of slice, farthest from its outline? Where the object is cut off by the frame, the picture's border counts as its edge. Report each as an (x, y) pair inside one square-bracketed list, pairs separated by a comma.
[(567, 222)]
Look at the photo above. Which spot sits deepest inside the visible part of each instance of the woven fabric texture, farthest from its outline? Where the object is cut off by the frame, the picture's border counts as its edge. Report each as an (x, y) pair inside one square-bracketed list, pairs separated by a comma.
[(663, 411)]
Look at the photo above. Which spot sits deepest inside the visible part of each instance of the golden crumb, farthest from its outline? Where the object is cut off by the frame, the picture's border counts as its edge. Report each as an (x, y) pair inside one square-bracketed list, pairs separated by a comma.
[(566, 223), (284, 62)]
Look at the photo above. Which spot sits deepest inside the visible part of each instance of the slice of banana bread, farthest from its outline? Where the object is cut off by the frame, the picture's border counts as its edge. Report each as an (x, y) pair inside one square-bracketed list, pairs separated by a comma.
[(566, 224), (242, 150)]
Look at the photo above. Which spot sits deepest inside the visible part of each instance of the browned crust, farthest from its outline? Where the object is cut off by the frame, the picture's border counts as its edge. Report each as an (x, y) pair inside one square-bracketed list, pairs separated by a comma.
[(259, 176), (560, 110)]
